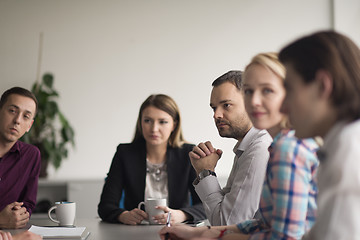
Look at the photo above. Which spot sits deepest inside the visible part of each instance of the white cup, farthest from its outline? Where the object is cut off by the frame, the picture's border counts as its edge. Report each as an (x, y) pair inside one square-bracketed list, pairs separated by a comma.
[(65, 213), (150, 209)]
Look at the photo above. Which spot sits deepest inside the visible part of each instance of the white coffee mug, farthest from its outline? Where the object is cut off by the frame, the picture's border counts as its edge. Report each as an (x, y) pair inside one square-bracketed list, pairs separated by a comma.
[(65, 213), (150, 209)]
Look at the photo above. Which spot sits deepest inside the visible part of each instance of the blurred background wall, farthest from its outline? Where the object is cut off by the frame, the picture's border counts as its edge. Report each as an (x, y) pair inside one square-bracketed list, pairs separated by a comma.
[(107, 56)]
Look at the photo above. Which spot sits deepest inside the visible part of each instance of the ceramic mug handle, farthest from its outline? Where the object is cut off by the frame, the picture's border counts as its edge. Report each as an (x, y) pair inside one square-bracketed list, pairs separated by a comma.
[(54, 220), (141, 203)]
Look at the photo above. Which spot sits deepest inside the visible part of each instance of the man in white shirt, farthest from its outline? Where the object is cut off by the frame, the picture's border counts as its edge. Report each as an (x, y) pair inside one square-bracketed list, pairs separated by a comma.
[(239, 199)]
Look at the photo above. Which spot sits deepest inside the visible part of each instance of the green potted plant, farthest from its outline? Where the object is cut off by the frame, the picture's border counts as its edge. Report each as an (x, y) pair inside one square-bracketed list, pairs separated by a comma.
[(51, 131)]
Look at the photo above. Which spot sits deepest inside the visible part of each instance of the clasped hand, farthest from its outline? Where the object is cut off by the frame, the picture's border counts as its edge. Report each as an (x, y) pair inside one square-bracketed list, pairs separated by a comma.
[(14, 215), (204, 156)]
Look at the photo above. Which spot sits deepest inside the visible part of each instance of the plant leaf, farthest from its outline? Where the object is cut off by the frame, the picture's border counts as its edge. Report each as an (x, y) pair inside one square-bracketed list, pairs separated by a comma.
[(51, 109), (51, 131), (48, 80)]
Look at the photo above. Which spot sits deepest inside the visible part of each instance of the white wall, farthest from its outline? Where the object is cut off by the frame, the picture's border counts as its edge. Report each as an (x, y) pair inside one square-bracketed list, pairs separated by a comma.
[(108, 56), (347, 18)]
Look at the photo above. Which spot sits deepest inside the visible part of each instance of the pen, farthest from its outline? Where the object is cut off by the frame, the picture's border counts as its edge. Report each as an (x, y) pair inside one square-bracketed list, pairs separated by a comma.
[(168, 224)]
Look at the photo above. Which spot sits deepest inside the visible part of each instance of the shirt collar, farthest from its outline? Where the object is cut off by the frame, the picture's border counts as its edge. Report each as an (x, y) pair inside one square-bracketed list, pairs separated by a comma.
[(283, 132), (245, 142), (15, 147), (334, 131), (329, 138)]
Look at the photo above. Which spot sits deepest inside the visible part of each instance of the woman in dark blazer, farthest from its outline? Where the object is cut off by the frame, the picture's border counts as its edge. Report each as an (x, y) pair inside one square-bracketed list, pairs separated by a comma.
[(156, 164)]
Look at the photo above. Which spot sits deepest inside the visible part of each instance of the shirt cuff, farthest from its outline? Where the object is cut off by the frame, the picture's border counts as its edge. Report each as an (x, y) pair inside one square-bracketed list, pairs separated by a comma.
[(206, 186)]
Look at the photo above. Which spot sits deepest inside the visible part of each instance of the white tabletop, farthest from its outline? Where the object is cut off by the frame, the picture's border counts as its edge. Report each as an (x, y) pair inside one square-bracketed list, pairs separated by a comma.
[(107, 231)]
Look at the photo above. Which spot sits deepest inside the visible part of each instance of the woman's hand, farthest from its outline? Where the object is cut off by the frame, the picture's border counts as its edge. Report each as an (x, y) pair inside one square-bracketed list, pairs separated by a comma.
[(27, 235), (235, 236), (177, 216), (181, 231), (5, 235), (20, 236), (212, 233), (132, 217)]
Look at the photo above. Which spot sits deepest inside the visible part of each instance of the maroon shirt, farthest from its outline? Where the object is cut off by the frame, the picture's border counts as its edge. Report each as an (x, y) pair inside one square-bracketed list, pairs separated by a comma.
[(19, 175)]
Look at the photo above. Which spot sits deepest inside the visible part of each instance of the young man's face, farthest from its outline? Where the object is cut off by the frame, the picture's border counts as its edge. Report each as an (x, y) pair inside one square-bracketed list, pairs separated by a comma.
[(16, 117), (230, 116)]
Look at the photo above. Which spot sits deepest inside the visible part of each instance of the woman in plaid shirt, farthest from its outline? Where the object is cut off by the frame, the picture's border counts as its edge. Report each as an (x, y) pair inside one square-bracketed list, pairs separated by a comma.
[(288, 201)]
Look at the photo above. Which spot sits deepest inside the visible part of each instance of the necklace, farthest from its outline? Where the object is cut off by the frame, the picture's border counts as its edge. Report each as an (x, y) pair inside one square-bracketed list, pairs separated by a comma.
[(156, 171)]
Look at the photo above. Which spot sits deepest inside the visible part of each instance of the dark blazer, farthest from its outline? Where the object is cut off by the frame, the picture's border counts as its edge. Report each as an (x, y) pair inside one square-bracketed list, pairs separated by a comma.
[(128, 173)]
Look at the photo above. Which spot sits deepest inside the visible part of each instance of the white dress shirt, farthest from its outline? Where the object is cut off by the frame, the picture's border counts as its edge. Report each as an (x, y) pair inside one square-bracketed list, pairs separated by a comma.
[(339, 185), (239, 199)]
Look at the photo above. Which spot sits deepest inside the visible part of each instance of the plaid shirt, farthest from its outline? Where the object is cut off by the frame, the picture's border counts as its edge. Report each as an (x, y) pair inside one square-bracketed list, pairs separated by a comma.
[(288, 199)]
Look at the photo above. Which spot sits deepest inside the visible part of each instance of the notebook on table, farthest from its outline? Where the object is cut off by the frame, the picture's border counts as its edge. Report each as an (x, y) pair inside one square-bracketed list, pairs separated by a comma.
[(80, 233)]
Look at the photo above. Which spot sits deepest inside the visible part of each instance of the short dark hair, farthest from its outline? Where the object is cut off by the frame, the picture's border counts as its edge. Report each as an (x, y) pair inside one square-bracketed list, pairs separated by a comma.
[(233, 77), (19, 91), (336, 54)]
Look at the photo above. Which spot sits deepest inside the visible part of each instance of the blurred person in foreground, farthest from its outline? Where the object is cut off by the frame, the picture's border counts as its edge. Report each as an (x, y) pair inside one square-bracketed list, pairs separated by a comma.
[(323, 99)]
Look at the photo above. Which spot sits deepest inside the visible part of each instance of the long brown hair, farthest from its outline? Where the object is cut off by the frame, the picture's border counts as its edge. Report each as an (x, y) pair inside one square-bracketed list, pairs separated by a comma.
[(168, 105), (336, 54)]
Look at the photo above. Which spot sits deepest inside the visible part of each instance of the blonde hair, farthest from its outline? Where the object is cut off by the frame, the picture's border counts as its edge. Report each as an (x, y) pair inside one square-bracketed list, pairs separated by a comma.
[(270, 61)]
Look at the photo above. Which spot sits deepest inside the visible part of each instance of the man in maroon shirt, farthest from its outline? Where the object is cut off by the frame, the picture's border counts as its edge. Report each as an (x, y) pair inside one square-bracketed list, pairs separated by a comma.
[(19, 162)]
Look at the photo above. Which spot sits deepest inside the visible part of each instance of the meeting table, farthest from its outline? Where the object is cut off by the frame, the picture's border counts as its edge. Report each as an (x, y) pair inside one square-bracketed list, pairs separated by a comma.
[(100, 230)]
